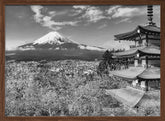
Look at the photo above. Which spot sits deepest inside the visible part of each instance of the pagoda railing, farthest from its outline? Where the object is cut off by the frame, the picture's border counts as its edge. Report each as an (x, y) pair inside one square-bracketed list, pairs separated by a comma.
[(134, 46)]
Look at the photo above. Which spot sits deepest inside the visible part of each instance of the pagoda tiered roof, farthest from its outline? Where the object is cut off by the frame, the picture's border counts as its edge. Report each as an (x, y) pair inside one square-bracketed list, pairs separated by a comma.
[(131, 73), (128, 96), (151, 30), (150, 73), (133, 97), (127, 53), (150, 50), (143, 50)]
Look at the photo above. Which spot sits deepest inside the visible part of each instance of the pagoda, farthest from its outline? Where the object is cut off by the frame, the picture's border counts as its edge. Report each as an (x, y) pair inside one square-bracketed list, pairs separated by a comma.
[(144, 54)]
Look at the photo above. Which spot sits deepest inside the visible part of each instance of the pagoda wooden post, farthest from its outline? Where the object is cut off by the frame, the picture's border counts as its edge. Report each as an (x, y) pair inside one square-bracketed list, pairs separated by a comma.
[(146, 85), (147, 61), (147, 39)]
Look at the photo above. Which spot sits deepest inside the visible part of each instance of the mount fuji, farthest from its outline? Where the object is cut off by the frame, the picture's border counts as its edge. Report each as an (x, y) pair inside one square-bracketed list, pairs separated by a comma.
[(55, 41), (52, 38), (54, 46)]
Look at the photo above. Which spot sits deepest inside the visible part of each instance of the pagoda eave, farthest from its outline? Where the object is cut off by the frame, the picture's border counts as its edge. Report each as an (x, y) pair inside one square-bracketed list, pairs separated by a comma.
[(149, 30), (152, 73), (150, 50)]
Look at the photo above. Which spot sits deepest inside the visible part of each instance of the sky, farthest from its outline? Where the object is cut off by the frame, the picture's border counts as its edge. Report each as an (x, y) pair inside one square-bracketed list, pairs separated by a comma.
[(85, 24)]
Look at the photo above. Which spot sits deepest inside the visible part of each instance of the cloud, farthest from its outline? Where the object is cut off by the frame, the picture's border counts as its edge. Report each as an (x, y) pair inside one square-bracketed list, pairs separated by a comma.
[(113, 9), (102, 26), (93, 14), (82, 7), (121, 11), (59, 13), (52, 13), (128, 20), (88, 14), (37, 10), (78, 9), (63, 12), (47, 20), (125, 13)]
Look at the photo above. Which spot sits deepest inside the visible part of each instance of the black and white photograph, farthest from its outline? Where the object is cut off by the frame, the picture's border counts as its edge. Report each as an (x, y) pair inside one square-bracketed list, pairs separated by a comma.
[(82, 60)]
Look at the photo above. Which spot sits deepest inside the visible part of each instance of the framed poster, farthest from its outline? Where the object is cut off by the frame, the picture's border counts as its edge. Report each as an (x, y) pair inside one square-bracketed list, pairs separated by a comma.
[(82, 60)]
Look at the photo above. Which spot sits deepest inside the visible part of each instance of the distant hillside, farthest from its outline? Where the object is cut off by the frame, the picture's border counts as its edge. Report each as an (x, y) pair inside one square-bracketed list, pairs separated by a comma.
[(37, 55)]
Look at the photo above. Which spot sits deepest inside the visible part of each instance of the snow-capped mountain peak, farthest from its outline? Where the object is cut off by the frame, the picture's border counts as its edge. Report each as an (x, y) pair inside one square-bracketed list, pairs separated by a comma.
[(52, 38), (55, 41)]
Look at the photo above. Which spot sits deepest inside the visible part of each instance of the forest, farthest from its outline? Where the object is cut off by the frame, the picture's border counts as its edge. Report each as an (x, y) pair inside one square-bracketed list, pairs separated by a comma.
[(62, 88)]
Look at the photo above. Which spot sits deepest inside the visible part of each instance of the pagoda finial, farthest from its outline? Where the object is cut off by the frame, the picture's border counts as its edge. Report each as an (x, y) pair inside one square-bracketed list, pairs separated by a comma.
[(150, 14)]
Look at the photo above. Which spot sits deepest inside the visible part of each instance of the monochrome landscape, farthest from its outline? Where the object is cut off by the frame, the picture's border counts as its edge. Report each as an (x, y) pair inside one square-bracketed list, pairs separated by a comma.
[(82, 60)]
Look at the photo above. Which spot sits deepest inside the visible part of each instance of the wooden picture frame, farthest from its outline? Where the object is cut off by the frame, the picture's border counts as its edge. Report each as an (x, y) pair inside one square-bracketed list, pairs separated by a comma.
[(78, 2)]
